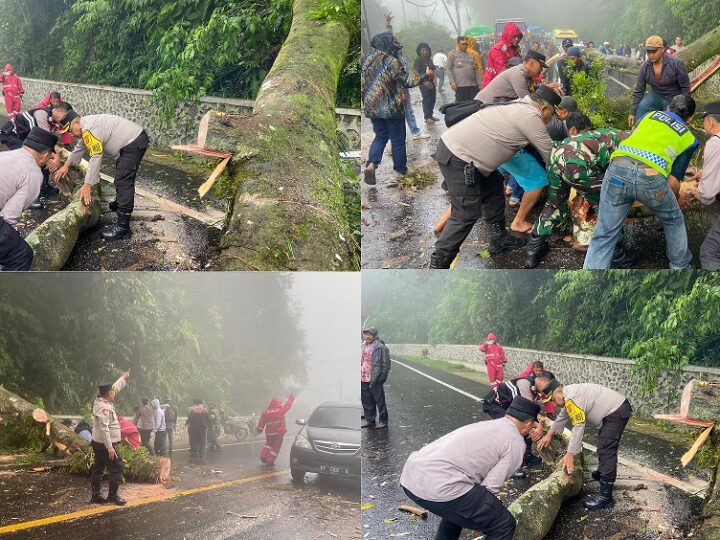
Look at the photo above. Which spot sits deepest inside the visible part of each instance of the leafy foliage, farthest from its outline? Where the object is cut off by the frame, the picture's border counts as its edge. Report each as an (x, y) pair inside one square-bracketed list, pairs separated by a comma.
[(590, 92), (663, 320)]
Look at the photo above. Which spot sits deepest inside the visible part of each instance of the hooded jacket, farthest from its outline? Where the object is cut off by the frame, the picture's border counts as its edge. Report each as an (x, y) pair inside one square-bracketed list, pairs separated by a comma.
[(384, 77), (272, 420), (494, 353), (197, 418), (11, 84), (472, 48), (159, 416), (501, 52), (421, 63)]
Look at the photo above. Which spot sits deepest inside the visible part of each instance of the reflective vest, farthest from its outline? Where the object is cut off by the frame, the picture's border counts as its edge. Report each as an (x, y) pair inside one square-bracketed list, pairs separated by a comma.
[(658, 140)]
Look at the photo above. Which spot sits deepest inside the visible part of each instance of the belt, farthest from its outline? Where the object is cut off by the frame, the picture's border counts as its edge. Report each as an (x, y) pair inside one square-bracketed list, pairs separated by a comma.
[(627, 160)]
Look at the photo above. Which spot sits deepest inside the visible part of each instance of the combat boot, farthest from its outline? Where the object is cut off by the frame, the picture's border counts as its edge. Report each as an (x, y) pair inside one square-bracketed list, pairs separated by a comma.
[(440, 262), (501, 240), (602, 499), (113, 206), (622, 258), (537, 248), (370, 174), (37, 204), (120, 230), (114, 498), (97, 498)]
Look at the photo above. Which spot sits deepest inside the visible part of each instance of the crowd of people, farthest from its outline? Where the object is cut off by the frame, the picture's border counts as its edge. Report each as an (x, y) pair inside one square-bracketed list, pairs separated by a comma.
[(513, 132), (35, 139)]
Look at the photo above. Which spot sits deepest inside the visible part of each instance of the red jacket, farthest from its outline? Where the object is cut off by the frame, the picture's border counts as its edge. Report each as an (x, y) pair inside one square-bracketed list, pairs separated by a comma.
[(129, 432), (273, 418), (11, 84), (494, 353), (501, 52)]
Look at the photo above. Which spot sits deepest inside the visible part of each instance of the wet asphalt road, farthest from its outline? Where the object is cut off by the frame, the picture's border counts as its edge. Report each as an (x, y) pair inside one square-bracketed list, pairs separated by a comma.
[(275, 508), (422, 410), (397, 223)]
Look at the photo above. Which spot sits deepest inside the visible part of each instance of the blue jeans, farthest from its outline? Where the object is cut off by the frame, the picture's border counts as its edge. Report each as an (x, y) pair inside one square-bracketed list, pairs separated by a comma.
[(517, 190), (622, 185), (410, 118), (439, 77), (651, 102), (393, 130)]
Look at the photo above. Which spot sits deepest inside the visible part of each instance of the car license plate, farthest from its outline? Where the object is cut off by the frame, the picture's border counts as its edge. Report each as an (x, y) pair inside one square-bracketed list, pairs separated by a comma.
[(334, 470)]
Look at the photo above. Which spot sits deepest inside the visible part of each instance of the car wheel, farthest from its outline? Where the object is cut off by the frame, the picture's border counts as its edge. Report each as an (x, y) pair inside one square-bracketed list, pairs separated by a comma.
[(241, 434), (297, 475)]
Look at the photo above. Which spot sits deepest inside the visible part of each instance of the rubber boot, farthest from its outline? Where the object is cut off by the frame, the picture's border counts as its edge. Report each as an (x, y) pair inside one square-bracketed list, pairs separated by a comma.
[(519, 474), (595, 475), (120, 230), (440, 262), (501, 240), (114, 498), (37, 204), (370, 174), (602, 499), (97, 498), (622, 258), (537, 248), (113, 206)]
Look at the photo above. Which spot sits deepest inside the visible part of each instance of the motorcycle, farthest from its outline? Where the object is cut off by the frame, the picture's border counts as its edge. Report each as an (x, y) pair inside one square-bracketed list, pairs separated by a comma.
[(240, 428)]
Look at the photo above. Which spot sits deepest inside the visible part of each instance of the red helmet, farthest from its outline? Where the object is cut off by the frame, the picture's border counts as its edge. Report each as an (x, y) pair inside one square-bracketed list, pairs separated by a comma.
[(491, 336), (8, 67)]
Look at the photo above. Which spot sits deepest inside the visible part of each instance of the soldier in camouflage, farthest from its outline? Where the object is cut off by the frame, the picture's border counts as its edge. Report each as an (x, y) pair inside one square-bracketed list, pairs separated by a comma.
[(577, 162)]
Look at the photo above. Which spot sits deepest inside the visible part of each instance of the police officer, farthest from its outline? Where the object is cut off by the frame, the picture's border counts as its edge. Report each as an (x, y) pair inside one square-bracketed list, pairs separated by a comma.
[(105, 440), (213, 427), (647, 167), (458, 475), (598, 406), (111, 136), (20, 181)]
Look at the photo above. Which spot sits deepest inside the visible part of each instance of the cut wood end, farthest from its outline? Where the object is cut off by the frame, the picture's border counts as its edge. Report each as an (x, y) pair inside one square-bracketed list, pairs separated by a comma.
[(39, 415), (414, 510)]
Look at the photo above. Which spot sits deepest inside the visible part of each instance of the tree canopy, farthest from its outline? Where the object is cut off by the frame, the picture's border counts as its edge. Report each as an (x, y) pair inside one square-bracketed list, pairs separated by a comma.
[(663, 320), (233, 341)]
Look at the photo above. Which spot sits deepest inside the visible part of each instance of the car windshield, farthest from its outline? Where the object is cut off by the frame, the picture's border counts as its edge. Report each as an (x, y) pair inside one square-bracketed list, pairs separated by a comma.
[(335, 417)]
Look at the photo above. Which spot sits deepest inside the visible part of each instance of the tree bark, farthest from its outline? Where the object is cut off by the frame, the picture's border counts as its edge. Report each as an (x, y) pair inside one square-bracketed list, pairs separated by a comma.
[(710, 529), (701, 50), (701, 399), (288, 211)]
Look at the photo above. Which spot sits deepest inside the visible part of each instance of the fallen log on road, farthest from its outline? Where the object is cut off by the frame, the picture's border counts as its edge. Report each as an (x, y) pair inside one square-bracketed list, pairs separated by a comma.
[(701, 399)]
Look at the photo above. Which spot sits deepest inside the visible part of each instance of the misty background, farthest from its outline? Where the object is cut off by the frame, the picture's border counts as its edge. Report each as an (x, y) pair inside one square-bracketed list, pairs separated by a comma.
[(235, 339)]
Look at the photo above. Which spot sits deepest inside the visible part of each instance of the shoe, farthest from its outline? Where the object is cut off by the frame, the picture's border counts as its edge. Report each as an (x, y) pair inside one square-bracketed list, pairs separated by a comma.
[(421, 136), (120, 230), (433, 119), (380, 425), (365, 423), (440, 262), (537, 248), (37, 205), (501, 240), (116, 500), (97, 498), (370, 174), (602, 499), (48, 190), (519, 474), (622, 258), (595, 475), (113, 206)]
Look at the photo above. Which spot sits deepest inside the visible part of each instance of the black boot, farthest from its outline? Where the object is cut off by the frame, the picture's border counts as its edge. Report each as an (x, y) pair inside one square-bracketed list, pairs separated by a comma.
[(37, 204), (537, 248), (120, 230), (602, 499), (114, 498), (440, 262), (501, 240), (622, 258), (97, 498), (113, 206), (595, 475), (47, 190)]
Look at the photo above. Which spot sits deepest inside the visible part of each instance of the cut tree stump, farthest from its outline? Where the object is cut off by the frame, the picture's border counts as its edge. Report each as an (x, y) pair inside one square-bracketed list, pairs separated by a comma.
[(701, 399)]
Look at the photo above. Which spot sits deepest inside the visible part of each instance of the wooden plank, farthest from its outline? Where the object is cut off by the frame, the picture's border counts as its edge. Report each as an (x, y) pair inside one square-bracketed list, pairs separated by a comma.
[(690, 454), (202, 151), (210, 182), (686, 420)]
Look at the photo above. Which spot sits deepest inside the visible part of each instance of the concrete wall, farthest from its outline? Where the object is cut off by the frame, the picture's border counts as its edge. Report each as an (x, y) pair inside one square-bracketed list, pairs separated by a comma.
[(574, 368), (134, 105)]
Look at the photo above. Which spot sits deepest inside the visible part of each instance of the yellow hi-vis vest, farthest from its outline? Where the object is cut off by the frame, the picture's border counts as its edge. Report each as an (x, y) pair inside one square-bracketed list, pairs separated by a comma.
[(658, 140)]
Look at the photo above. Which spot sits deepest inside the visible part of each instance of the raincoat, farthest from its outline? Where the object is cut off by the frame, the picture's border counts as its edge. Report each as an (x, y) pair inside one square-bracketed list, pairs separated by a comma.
[(501, 52), (13, 90), (495, 360), (272, 420), (129, 432)]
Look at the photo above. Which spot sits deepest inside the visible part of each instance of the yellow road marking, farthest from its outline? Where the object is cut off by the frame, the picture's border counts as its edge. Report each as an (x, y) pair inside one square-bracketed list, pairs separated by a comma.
[(138, 502)]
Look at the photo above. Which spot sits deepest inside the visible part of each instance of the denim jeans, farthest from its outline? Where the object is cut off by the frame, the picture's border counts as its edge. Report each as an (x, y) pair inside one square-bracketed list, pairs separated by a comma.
[(440, 77), (651, 102), (393, 130), (410, 118), (622, 185), (517, 190)]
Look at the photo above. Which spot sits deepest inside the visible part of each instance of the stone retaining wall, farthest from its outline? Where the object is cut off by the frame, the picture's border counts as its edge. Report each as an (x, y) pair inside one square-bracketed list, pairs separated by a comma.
[(134, 104), (574, 368)]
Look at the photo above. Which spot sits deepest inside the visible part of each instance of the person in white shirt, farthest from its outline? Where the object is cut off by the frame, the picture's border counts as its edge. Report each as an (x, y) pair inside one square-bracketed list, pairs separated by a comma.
[(440, 59)]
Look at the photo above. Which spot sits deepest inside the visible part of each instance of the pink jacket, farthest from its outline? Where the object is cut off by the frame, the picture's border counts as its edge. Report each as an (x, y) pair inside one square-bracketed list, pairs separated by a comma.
[(494, 353), (501, 52), (11, 84)]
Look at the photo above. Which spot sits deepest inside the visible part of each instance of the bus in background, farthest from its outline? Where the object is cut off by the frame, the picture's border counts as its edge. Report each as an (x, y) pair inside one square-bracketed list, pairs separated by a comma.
[(562, 33)]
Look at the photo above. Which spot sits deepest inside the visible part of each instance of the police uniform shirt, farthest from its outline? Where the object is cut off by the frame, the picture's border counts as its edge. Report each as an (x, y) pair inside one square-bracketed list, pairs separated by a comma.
[(483, 453), (103, 135), (513, 83), (20, 181), (709, 185), (106, 426), (585, 403)]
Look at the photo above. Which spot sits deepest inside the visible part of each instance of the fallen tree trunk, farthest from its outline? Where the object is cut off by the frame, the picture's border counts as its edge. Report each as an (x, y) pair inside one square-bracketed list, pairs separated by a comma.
[(701, 50), (288, 211), (701, 399), (536, 509), (710, 529)]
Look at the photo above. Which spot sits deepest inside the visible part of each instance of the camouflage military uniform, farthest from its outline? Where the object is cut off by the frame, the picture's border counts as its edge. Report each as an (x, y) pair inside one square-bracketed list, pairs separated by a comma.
[(578, 162)]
